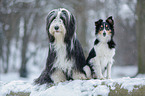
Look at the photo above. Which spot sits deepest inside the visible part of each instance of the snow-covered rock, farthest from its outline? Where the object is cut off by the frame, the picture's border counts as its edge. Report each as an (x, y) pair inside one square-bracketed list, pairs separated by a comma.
[(123, 86)]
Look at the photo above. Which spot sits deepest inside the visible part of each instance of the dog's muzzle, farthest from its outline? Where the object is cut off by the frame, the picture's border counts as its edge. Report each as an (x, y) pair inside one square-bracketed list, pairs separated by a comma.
[(56, 27), (104, 34)]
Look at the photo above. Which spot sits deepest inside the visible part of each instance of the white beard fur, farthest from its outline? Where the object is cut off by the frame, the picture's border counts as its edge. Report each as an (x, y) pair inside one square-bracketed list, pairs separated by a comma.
[(61, 61)]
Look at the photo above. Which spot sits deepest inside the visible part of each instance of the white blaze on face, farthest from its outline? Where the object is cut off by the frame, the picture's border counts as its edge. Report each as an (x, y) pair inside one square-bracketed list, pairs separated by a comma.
[(57, 28), (104, 34)]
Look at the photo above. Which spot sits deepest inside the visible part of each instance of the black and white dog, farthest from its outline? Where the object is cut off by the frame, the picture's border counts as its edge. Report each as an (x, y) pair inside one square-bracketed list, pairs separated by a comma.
[(66, 59), (101, 56)]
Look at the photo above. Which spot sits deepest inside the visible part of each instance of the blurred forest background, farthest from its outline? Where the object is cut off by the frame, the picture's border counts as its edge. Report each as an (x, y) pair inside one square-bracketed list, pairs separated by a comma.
[(24, 42)]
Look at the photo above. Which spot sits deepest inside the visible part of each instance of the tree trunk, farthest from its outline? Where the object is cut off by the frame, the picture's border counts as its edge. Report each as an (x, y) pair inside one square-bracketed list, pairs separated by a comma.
[(81, 24), (140, 29), (28, 26), (23, 69)]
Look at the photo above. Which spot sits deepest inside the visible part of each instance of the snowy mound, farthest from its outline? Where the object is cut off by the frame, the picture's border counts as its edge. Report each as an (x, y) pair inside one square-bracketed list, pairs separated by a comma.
[(123, 86)]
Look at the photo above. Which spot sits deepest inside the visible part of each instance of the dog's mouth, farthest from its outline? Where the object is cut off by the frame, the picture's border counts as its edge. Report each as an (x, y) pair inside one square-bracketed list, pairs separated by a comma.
[(57, 31)]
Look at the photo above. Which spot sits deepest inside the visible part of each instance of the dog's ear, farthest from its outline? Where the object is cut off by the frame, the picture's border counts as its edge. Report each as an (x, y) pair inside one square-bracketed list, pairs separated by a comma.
[(98, 22), (97, 25), (49, 18), (70, 28), (110, 20)]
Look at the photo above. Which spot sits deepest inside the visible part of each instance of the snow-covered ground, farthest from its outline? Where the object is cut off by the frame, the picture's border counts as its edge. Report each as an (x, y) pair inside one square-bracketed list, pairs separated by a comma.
[(117, 72), (74, 88), (11, 82)]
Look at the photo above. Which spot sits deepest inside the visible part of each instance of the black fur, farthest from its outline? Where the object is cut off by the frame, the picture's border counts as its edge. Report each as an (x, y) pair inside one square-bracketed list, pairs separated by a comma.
[(75, 53), (97, 26), (91, 55), (49, 19), (79, 56), (96, 42), (111, 44), (70, 29)]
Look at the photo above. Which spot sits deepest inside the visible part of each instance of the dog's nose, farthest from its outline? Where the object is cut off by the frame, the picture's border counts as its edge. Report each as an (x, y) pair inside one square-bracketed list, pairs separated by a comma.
[(104, 34), (56, 27)]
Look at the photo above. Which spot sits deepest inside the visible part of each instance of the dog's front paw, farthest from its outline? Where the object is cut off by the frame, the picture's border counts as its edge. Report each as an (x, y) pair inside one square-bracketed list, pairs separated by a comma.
[(83, 77), (87, 71), (108, 77), (101, 77), (59, 80), (78, 75)]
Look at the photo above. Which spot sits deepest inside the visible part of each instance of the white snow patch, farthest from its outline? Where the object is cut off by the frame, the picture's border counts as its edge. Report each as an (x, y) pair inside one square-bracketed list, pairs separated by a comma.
[(92, 87), (125, 11), (128, 83), (74, 88), (140, 76), (15, 86), (124, 71), (102, 90)]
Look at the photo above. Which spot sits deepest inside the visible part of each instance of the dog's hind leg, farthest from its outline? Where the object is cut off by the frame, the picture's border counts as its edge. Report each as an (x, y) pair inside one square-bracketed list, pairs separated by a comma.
[(58, 76)]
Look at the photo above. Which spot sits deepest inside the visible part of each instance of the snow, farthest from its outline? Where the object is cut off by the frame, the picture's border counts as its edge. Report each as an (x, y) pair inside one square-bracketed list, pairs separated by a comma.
[(125, 10), (120, 75), (102, 90), (15, 86), (91, 87), (124, 71), (140, 76), (69, 88), (126, 82)]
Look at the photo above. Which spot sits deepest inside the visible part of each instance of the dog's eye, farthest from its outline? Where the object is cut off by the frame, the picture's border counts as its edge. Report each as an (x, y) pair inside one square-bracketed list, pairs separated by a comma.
[(101, 27), (107, 28)]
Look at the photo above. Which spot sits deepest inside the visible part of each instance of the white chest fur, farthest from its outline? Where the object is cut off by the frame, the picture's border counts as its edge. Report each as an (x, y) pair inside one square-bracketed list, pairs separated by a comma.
[(102, 50), (104, 54), (61, 62)]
